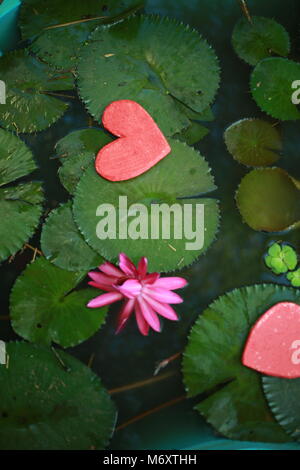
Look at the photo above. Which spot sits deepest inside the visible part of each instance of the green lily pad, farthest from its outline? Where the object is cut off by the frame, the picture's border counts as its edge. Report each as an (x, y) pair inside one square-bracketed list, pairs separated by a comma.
[(154, 61), (45, 307), (183, 173), (37, 15), (31, 101), (261, 38), (294, 278), (63, 244), (44, 408), (268, 199), (234, 403), (59, 46), (253, 142), (271, 87), (16, 160), (20, 212), (281, 259), (283, 399), (76, 151)]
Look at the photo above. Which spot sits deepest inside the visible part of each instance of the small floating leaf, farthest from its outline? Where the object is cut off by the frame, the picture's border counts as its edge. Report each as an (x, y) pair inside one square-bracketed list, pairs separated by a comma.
[(63, 244), (234, 403), (271, 87), (31, 102), (261, 38), (294, 278), (268, 199), (51, 401), (182, 174), (76, 151), (253, 142), (281, 258), (154, 61), (45, 306), (192, 134)]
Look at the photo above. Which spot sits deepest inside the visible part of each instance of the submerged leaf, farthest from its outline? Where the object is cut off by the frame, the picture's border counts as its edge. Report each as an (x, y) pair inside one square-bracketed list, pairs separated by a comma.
[(63, 244), (154, 61), (260, 38), (269, 199), (51, 401), (183, 173), (59, 46), (234, 403), (253, 142), (45, 307), (271, 87), (31, 104)]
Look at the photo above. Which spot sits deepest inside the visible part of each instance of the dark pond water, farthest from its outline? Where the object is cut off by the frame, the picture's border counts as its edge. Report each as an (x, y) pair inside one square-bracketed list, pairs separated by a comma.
[(234, 260)]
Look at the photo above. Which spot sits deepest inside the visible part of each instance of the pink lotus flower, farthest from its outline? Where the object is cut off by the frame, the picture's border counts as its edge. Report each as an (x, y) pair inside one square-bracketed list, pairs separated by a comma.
[(144, 294)]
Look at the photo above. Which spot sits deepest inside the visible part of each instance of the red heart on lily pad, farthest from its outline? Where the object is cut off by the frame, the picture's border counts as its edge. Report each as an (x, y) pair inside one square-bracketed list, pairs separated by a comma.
[(140, 146), (273, 345)]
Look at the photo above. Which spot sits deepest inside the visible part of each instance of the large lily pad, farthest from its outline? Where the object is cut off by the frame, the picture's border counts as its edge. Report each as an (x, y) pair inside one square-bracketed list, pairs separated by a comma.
[(232, 397), (45, 306), (59, 45), (271, 87), (183, 173), (269, 199), (31, 101), (260, 38), (63, 244), (44, 408), (76, 151), (283, 398), (154, 61), (253, 142)]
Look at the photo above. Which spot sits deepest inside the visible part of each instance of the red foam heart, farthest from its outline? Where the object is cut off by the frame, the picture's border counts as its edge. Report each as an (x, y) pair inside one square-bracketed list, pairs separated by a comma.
[(140, 146), (273, 345)]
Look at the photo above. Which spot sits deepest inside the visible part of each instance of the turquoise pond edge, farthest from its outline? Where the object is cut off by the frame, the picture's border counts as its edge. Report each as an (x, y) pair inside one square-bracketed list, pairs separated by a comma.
[(189, 436)]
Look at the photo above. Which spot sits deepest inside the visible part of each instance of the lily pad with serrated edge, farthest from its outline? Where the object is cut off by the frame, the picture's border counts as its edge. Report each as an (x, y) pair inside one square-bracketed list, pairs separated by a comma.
[(45, 306), (59, 46), (269, 200), (253, 142), (283, 399), (260, 38), (183, 173), (76, 151), (30, 102), (16, 160), (271, 87), (20, 205), (20, 212), (234, 403), (44, 408), (63, 244), (150, 60)]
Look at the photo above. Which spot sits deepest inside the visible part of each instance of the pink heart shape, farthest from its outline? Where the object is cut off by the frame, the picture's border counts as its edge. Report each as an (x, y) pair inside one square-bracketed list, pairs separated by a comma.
[(140, 146), (273, 345)]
